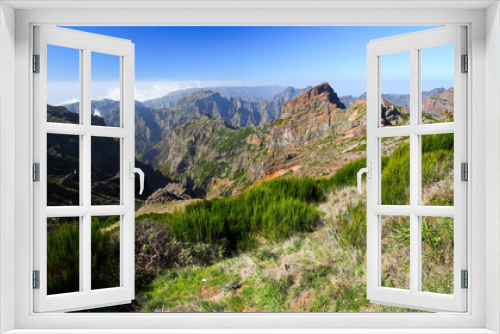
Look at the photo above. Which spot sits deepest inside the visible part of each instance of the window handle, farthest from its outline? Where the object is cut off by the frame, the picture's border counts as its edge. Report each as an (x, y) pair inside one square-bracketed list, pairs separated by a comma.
[(139, 171), (368, 171)]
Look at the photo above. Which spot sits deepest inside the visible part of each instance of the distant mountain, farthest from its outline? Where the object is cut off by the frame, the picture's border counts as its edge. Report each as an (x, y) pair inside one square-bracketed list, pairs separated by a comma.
[(249, 94), (233, 110), (107, 109), (152, 124), (400, 100)]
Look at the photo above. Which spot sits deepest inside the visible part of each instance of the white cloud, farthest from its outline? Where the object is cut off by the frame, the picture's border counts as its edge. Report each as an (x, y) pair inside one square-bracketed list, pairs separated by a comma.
[(112, 94), (69, 101), (97, 112)]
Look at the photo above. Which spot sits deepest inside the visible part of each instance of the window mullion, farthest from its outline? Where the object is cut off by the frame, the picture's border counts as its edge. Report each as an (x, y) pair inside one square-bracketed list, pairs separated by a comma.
[(86, 171), (414, 172)]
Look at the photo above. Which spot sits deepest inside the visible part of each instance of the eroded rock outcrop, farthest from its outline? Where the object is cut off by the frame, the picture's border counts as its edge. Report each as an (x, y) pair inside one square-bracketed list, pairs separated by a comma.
[(173, 191)]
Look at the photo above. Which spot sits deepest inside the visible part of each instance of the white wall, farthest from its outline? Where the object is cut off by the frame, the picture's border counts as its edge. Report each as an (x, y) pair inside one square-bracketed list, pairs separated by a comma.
[(493, 164), (7, 167)]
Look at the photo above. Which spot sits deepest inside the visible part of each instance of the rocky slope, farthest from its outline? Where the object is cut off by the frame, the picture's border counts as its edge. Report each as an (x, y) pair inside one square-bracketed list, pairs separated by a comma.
[(315, 136), (314, 114), (63, 165), (439, 107), (174, 191)]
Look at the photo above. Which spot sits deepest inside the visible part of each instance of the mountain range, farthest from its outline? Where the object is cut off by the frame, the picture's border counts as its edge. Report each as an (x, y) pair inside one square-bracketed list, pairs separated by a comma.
[(402, 100), (219, 145), (250, 94)]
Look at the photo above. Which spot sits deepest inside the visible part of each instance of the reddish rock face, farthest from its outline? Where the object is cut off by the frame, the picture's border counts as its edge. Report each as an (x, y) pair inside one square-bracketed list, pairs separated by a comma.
[(307, 116), (439, 107), (320, 95)]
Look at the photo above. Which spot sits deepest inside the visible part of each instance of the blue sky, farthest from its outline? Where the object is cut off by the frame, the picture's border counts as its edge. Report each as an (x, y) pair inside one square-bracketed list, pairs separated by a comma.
[(172, 58)]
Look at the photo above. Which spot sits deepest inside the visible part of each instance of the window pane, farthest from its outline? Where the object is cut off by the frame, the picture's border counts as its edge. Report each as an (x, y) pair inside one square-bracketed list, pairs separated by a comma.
[(63, 170), (105, 252), (105, 171), (63, 85), (105, 91), (395, 179), (437, 74), (437, 169), (395, 269), (63, 255), (395, 89), (437, 254)]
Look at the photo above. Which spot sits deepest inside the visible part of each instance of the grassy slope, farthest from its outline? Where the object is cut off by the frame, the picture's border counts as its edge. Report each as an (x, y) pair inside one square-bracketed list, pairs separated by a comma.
[(293, 244), (323, 270)]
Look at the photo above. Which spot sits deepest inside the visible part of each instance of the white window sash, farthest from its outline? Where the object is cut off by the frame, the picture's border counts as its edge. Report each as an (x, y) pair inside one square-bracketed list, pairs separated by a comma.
[(414, 297), (87, 43)]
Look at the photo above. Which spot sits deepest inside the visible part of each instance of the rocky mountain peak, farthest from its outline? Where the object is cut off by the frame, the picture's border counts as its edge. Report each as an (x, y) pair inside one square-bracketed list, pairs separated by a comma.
[(325, 92), (321, 95)]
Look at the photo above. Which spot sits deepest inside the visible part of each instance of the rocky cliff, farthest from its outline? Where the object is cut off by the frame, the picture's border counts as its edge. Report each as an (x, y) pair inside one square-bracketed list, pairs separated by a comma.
[(439, 107), (315, 114)]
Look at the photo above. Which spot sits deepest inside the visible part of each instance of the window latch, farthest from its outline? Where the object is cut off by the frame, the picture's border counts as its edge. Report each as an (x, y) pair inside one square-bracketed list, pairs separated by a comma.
[(368, 171), (139, 171)]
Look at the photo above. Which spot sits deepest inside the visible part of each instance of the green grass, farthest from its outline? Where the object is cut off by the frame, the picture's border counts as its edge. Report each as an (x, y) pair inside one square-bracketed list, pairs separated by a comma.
[(278, 255), (273, 210), (63, 256)]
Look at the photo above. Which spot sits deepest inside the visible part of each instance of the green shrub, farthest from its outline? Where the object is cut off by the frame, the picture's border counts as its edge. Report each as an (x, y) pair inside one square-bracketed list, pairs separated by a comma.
[(351, 226), (274, 210), (63, 256)]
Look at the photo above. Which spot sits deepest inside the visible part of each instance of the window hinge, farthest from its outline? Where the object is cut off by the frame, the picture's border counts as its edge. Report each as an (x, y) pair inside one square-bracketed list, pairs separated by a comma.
[(36, 63), (465, 279), (36, 172), (464, 168), (465, 64), (36, 279)]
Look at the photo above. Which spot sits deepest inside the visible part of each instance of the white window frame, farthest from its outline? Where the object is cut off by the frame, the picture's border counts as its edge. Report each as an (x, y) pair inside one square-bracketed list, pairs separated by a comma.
[(413, 43), (86, 44), (483, 311)]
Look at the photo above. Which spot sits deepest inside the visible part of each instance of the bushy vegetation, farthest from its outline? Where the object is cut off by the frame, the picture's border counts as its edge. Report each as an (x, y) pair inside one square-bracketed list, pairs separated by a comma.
[(63, 240), (351, 226), (63, 249), (273, 210)]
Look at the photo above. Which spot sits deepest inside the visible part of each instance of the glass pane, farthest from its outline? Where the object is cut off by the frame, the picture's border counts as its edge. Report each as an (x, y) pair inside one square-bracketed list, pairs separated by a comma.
[(105, 252), (395, 177), (437, 169), (395, 269), (437, 74), (395, 89), (437, 254), (63, 255), (105, 171), (63, 84), (63, 170), (105, 91)]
